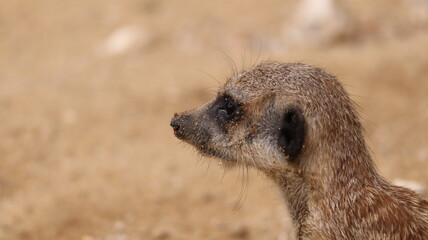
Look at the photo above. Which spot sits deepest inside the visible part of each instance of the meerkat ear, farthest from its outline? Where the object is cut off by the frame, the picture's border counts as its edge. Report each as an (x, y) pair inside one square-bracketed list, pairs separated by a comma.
[(292, 133)]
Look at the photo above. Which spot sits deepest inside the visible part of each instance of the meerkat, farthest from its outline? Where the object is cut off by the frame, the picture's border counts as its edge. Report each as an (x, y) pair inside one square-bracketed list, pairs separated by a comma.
[(297, 124)]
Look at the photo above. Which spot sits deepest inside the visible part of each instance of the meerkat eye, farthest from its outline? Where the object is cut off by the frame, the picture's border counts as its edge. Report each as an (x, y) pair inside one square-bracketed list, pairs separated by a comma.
[(228, 109)]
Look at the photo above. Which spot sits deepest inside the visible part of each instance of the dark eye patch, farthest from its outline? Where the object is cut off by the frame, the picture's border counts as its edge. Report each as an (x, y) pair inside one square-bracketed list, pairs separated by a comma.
[(226, 110)]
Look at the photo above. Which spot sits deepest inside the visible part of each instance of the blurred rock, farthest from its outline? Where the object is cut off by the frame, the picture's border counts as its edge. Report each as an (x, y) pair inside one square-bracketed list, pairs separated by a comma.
[(318, 22), (126, 38)]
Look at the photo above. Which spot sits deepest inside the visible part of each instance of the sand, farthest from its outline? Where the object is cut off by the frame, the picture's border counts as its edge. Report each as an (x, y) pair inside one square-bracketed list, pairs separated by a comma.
[(87, 90)]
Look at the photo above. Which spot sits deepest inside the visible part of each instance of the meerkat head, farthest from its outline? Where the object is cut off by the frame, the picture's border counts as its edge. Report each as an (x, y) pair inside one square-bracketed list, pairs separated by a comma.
[(271, 117)]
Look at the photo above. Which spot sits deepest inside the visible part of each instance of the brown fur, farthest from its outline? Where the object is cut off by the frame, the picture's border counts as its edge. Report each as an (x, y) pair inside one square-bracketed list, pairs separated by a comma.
[(332, 189)]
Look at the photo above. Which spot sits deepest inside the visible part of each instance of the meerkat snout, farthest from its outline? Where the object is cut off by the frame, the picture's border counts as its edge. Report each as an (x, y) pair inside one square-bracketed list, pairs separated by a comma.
[(178, 124), (297, 124), (189, 128)]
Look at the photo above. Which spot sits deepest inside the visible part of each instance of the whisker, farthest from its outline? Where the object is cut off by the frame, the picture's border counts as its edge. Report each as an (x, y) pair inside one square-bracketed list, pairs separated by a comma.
[(208, 167), (243, 56), (226, 169), (251, 52), (244, 189), (211, 76), (231, 63), (260, 52)]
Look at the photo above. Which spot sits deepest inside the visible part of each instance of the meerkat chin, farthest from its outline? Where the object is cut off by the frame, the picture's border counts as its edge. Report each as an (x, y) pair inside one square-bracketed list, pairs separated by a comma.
[(297, 124)]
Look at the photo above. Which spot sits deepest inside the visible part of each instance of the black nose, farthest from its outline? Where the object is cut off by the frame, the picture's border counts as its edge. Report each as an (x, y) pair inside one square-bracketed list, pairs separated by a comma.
[(180, 124), (174, 124)]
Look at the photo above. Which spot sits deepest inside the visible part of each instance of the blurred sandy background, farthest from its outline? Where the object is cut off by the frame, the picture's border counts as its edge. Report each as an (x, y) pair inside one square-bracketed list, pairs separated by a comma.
[(87, 89)]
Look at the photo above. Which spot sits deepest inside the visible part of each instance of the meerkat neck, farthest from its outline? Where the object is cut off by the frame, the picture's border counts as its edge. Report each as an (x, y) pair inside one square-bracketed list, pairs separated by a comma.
[(311, 195), (295, 192)]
